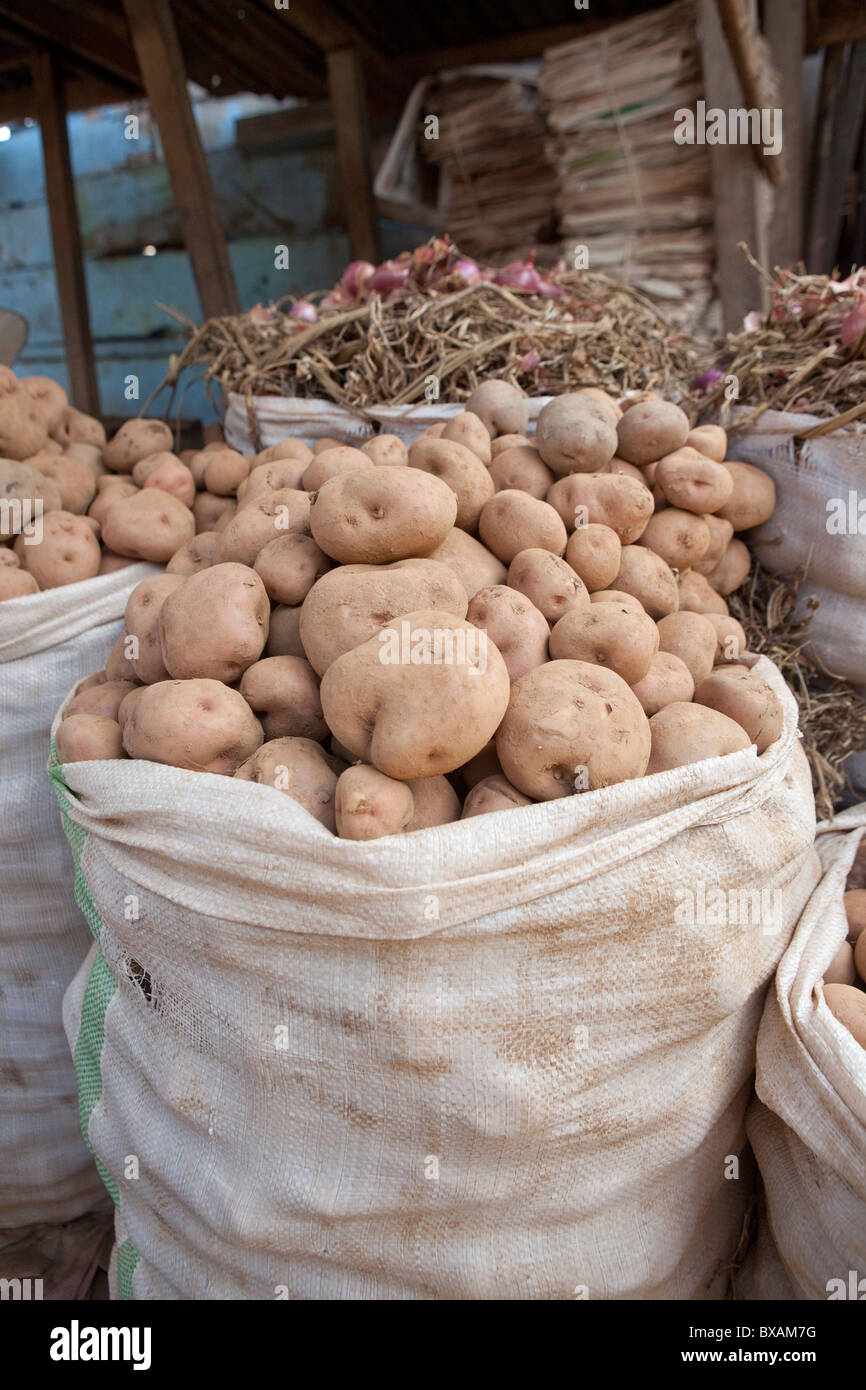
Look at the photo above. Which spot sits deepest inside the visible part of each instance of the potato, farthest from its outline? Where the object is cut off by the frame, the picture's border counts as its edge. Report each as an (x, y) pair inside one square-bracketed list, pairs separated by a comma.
[(419, 698), (68, 551), (384, 514), (8, 557), (16, 583), (721, 532), (150, 525), (731, 640), (628, 601), (600, 402), (435, 802), (207, 510), (753, 498), (88, 454), (691, 637), (696, 595), (521, 468), (574, 435), (848, 1007), (87, 738), (143, 608), (369, 805), (349, 604), (135, 440), (493, 794), (649, 430), (684, 733), (854, 901), (78, 428), (680, 538), (215, 624), (841, 970), (433, 431), (605, 634), (501, 407), (332, 462), (472, 562), (461, 470), (128, 704), (326, 442), (571, 727), (732, 570), (284, 638), (386, 451), (118, 667), (166, 471), (470, 431), (22, 424), (107, 496), (604, 499), (503, 442), (285, 450), (667, 681), (50, 397), (484, 764), (284, 692), (98, 678), (548, 582), (594, 553), (272, 514), (194, 555), (513, 521), (709, 440), (645, 575), (73, 479), (225, 470), (103, 699), (517, 629), (272, 477), (300, 768), (743, 696), (20, 483), (201, 725), (692, 482)]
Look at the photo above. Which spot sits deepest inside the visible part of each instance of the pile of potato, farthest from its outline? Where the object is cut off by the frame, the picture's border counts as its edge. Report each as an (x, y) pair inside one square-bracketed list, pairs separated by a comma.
[(398, 638), (845, 977), (105, 504)]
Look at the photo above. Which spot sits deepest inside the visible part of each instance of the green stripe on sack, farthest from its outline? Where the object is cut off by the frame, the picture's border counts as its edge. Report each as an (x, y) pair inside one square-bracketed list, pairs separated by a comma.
[(98, 993)]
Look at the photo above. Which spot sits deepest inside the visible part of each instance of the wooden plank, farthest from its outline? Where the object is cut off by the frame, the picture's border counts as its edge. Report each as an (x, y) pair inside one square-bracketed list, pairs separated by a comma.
[(156, 44), (840, 118), (276, 127), (507, 48), (79, 94), (836, 21), (65, 234), (736, 214), (93, 32), (346, 79), (785, 29), (320, 25)]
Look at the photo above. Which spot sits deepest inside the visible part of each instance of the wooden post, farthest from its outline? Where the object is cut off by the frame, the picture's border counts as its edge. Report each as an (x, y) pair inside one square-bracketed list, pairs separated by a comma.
[(785, 29), (65, 233), (155, 40), (346, 80)]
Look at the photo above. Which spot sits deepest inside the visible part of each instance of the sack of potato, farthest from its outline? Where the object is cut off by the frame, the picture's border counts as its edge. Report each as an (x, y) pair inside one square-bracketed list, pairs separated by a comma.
[(807, 1125), (528, 1019)]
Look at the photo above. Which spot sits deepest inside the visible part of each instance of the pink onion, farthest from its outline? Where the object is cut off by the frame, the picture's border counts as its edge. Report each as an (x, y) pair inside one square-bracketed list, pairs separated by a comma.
[(752, 321), (522, 275), (466, 270), (853, 324), (356, 277), (259, 314), (304, 310), (530, 361), (390, 275), (706, 380)]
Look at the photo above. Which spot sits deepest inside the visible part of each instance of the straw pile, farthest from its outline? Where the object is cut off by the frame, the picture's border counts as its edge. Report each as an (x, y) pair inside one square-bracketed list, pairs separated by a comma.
[(640, 203), (492, 154)]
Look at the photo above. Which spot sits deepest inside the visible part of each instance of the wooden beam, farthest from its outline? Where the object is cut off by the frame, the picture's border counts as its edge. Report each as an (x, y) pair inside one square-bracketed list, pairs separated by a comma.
[(249, 53), (156, 44), (65, 234), (79, 94), (835, 21), (320, 25), (346, 79), (785, 30), (842, 106), (507, 48), (91, 31)]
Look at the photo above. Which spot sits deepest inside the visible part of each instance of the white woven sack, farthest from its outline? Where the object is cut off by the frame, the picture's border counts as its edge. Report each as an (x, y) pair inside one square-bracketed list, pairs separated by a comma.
[(808, 1124), (482, 1061), (278, 417), (48, 642), (831, 469)]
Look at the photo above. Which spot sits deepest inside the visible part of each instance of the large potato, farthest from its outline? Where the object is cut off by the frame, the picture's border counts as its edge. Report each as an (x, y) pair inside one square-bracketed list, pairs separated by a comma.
[(349, 604), (692, 482), (645, 575), (513, 521), (224, 471), (284, 692), (194, 555), (135, 440), (594, 553), (684, 733), (418, 699), (272, 477), (384, 514), (680, 538), (461, 470), (574, 435), (68, 551), (22, 424), (369, 805), (668, 680), (605, 634), (143, 608), (746, 698), (470, 431), (606, 499), (692, 638), (649, 430), (300, 768), (74, 481), (517, 629), (753, 498), (271, 514), (471, 561), (386, 451), (87, 738), (331, 462), (150, 525), (201, 725), (502, 408), (571, 727), (522, 468), (732, 570), (21, 483), (289, 567), (548, 582), (215, 624), (493, 794)]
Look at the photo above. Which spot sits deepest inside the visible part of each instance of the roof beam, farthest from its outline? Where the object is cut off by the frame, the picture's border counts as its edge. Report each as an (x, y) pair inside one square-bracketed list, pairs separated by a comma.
[(91, 32)]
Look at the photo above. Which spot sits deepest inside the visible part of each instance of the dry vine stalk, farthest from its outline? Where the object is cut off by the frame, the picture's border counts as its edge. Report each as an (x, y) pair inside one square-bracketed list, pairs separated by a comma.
[(598, 332), (832, 713)]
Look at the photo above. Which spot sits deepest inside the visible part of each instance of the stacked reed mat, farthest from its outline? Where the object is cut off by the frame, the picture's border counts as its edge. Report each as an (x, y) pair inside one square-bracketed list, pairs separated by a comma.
[(639, 202)]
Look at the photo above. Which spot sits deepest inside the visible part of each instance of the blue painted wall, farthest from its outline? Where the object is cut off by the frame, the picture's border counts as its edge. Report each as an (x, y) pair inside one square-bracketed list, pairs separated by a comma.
[(267, 198)]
